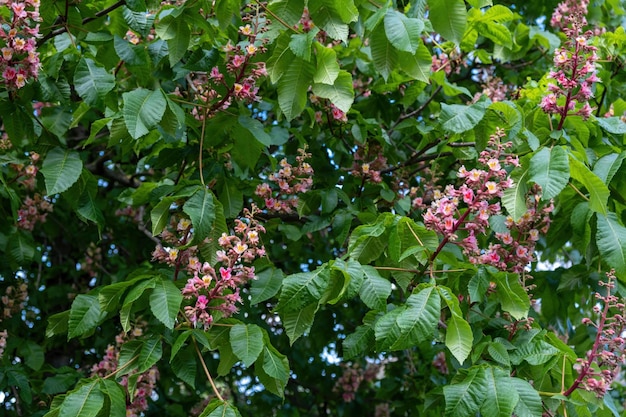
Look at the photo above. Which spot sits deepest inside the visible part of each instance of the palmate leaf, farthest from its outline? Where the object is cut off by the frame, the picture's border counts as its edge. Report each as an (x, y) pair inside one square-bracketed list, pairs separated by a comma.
[(115, 397), (598, 191), (293, 87), (340, 93), (464, 399), (458, 118), (513, 298), (416, 64), (246, 340), (503, 396), (375, 289), (459, 337), (302, 289), (220, 408), (61, 169), (514, 198), (201, 210), (85, 401), (151, 352), (327, 66), (384, 55), (85, 315), (403, 32), (299, 322), (274, 373), (449, 18), (92, 82), (550, 168), (266, 285), (529, 404), (417, 323), (358, 343), (143, 109), (165, 301), (611, 241)]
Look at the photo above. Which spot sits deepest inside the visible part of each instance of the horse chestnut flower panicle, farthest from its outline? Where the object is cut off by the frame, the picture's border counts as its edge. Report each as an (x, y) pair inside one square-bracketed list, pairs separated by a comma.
[(575, 69), (214, 294), (19, 59)]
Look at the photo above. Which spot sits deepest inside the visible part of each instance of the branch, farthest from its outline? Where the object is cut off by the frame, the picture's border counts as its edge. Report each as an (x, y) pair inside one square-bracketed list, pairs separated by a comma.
[(86, 20)]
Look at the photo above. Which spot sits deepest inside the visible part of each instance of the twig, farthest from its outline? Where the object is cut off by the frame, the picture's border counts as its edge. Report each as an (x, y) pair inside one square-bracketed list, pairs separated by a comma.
[(206, 370)]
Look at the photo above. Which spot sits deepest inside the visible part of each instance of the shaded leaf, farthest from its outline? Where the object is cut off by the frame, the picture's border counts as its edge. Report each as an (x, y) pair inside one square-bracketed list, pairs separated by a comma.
[(165, 301), (61, 169)]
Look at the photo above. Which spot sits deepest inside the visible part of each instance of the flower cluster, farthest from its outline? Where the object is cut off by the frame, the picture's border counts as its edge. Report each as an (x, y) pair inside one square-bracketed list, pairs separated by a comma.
[(562, 15), (218, 89), (352, 377), (145, 382), (575, 68), (479, 188), (215, 294), (19, 60), (280, 192), (34, 210), (13, 300), (368, 163), (92, 261), (27, 174), (515, 248), (608, 351), (177, 235), (3, 341)]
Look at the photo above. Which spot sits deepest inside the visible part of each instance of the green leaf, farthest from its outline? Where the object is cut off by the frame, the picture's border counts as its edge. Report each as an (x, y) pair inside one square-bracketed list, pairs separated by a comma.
[(611, 241), (340, 93), (514, 198), (502, 397), (293, 87), (61, 169), (301, 44), (459, 337), (177, 46), (92, 82), (21, 247), (288, 10), (299, 322), (276, 368), (417, 323), (220, 408), (246, 340), (403, 32), (358, 343), (85, 401), (160, 215), (151, 352), (607, 166), (256, 128), (384, 55), (185, 365), (201, 210), (143, 110), (512, 295), (549, 168), (85, 315), (449, 18), (458, 118), (416, 64), (598, 191), (497, 32), (529, 404), (375, 289), (266, 285), (116, 397), (32, 354), (499, 353), (301, 289), (463, 399), (327, 68), (57, 324), (281, 59), (613, 125), (165, 301)]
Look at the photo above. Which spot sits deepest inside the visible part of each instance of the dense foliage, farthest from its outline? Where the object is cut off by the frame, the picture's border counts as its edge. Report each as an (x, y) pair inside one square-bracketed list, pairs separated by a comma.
[(322, 207)]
